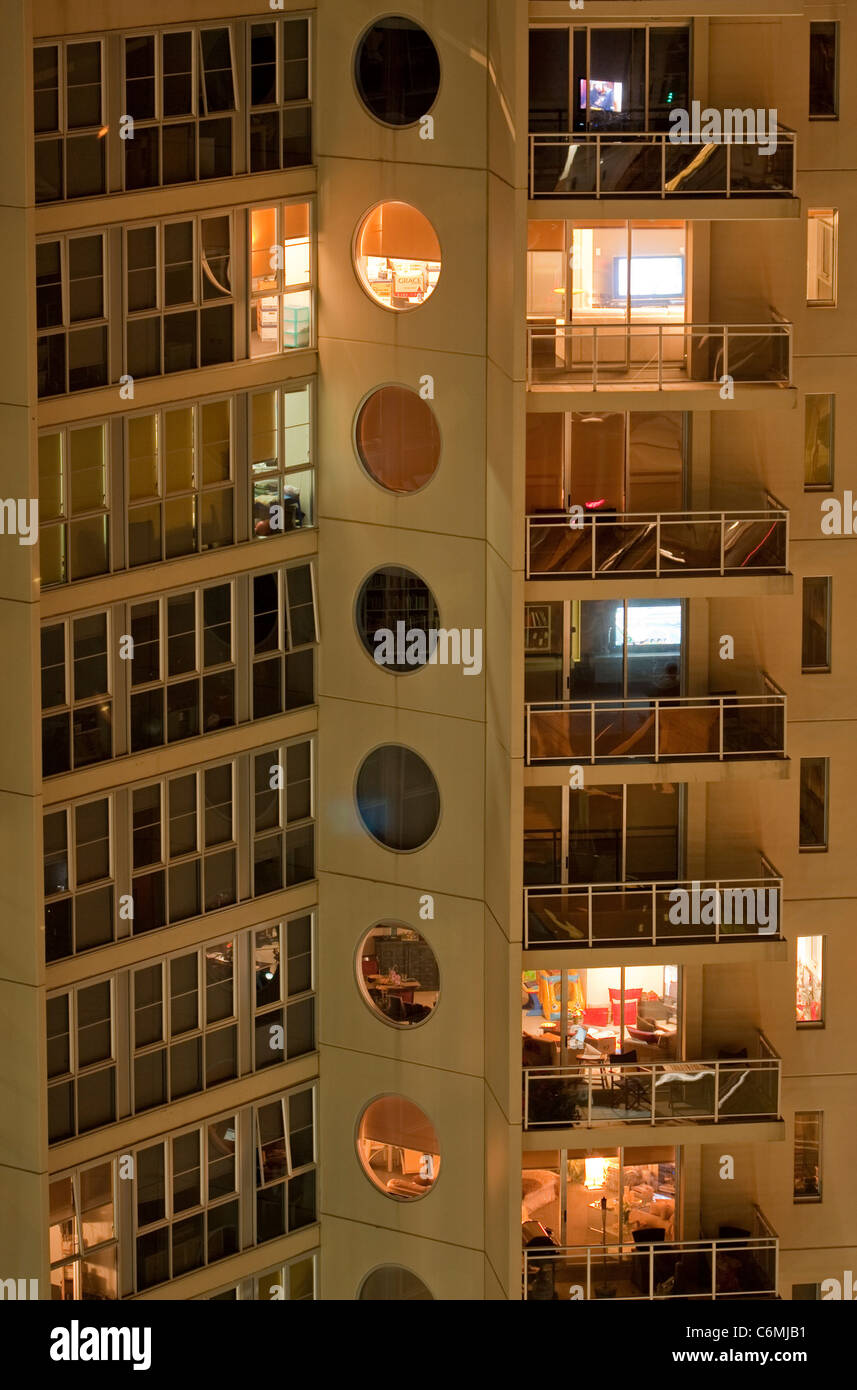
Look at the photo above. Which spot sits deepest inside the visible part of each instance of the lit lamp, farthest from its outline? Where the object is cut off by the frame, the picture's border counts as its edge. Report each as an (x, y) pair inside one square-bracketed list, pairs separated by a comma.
[(596, 1173)]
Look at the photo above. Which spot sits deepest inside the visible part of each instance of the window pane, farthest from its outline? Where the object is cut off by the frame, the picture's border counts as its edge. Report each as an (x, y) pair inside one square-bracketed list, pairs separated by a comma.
[(823, 69), (186, 1172), (221, 1158), (185, 1068), (809, 980), (92, 831), (807, 1155), (147, 826), (181, 634), (815, 639), (83, 84), (177, 74), (46, 88), (90, 656), (216, 50), (215, 442), (94, 1039), (151, 1194), (219, 1002), (179, 473), (184, 1011), (218, 805), (813, 803), (148, 1005), (93, 915), (85, 276), (183, 832), (821, 255), (818, 442), (140, 78), (88, 547), (179, 144)]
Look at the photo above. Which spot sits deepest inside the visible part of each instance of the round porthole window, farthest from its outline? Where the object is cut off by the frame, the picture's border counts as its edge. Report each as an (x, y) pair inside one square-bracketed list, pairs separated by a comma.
[(397, 71), (398, 975), (397, 438), (392, 1284), (398, 1148), (397, 256), (397, 619), (397, 797)]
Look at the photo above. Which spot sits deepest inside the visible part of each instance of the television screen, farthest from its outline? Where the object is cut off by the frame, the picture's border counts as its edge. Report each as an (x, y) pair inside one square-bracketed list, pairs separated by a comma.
[(652, 277), (603, 96), (656, 625)]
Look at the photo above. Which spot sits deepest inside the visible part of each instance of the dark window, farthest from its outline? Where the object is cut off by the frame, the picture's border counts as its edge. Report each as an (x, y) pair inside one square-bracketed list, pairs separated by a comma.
[(824, 70), (807, 1156), (814, 779), (397, 71), (397, 619), (815, 633), (397, 797), (70, 144)]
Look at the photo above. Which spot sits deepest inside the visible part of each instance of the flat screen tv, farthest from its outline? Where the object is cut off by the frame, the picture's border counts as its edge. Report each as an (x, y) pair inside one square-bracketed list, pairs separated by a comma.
[(603, 96), (652, 277)]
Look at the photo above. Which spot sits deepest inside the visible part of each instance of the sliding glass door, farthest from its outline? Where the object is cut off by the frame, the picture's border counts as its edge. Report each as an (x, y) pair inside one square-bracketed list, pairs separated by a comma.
[(564, 1190), (597, 78)]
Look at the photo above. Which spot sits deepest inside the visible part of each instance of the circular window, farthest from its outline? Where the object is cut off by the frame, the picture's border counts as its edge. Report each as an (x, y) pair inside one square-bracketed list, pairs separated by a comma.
[(398, 1148), (398, 440), (392, 1284), (397, 797), (397, 619), (397, 974), (397, 256), (397, 71)]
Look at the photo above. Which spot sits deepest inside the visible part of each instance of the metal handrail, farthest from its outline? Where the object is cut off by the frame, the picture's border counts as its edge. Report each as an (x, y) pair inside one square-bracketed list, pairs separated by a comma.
[(725, 365), (593, 520), (774, 698), (590, 1261), (662, 188), (654, 889), (729, 1074)]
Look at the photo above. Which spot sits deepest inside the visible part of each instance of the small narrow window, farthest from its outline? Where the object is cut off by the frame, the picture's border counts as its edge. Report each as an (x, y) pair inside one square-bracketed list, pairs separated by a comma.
[(824, 71), (815, 632), (814, 791), (822, 242), (807, 1156), (818, 443), (809, 981)]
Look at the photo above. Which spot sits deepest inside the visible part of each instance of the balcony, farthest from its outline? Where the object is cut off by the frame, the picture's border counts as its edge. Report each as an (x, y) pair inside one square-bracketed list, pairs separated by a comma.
[(657, 357), (659, 545), (718, 727), (648, 164), (619, 915), (602, 1094), (731, 1267)]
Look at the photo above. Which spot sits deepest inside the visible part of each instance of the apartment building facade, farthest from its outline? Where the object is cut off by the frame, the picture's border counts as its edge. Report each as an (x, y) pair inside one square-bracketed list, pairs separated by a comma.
[(431, 618)]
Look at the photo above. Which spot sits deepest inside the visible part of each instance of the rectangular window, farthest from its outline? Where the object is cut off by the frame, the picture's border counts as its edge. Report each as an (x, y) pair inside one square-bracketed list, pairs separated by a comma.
[(823, 71), (818, 443), (814, 795), (76, 704), (186, 1202), (68, 115), (822, 250), (281, 459), (180, 481), (807, 1156), (184, 847), (279, 95), (178, 295), (283, 830), (78, 873), (185, 1025), (281, 277), (284, 1004), (84, 1246), (183, 666), (285, 1165), (815, 631), (71, 314), (809, 981), (74, 504), (180, 91), (284, 635), (81, 1060)]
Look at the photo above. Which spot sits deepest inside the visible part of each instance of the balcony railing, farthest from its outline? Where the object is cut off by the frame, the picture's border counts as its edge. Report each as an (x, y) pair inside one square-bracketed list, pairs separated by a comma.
[(590, 1095), (737, 1267), (639, 730), (638, 914), (661, 545), (660, 356), (648, 164)]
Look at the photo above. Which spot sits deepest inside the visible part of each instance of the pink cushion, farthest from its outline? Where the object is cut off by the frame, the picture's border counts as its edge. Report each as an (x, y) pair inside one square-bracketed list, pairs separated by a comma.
[(597, 1017)]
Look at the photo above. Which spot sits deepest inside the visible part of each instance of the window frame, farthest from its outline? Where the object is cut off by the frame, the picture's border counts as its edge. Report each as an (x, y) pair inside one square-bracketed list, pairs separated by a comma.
[(308, 286), (816, 1117), (825, 667), (76, 1260), (68, 517), (827, 220), (70, 705), (64, 132), (67, 328), (75, 1072), (281, 104), (73, 890), (291, 1170), (284, 827), (280, 469), (834, 116), (815, 848), (286, 999), (830, 397)]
